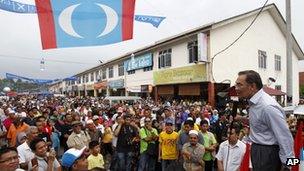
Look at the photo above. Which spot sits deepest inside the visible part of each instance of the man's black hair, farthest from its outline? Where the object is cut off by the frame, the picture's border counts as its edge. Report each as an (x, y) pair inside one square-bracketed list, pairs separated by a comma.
[(204, 122), (93, 144), (6, 150), (236, 127), (252, 77), (35, 142), (189, 122)]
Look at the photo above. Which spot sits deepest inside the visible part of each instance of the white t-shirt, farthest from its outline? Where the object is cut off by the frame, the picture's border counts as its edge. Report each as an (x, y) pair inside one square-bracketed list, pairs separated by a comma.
[(231, 156), (114, 140), (25, 153)]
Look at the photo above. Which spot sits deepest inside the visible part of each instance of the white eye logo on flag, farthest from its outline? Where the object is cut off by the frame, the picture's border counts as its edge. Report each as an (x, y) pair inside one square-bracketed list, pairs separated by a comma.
[(65, 20), (84, 23)]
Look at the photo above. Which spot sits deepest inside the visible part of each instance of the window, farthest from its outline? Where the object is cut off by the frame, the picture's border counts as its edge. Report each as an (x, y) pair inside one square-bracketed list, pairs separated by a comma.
[(87, 78), (192, 50), (278, 98), (262, 59), (277, 62), (164, 58), (131, 72), (150, 68), (104, 73), (121, 69), (92, 77), (278, 87), (97, 76), (111, 72), (83, 79), (79, 80)]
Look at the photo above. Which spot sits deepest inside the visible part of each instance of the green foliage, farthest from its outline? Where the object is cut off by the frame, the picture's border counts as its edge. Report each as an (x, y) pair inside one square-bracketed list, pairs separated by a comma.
[(18, 86), (302, 91)]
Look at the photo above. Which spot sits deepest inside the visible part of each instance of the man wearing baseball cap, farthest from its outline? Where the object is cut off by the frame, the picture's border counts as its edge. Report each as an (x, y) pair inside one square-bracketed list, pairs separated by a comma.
[(168, 150), (75, 159)]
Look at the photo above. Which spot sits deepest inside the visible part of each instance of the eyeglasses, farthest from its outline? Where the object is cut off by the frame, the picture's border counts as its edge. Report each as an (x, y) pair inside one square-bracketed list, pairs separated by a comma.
[(11, 159)]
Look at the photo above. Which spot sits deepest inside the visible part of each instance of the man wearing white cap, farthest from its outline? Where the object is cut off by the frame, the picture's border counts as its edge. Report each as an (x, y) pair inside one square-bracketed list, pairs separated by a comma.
[(193, 153), (75, 159)]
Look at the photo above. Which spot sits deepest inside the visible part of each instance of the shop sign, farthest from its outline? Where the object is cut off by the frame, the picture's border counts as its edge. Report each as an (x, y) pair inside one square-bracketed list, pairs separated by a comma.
[(116, 84), (90, 87), (189, 74), (139, 62), (135, 89), (101, 85)]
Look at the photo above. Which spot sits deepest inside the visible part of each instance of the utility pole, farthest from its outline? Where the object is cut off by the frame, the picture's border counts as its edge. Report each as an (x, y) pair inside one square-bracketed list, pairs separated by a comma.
[(288, 54)]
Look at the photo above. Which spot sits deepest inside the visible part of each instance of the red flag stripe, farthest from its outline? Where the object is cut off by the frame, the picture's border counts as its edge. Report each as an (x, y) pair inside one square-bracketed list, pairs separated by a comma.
[(128, 7), (46, 23), (298, 144), (246, 159)]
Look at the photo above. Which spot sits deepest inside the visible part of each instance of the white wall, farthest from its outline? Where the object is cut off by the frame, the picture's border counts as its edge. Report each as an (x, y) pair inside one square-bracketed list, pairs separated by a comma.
[(139, 78), (264, 35)]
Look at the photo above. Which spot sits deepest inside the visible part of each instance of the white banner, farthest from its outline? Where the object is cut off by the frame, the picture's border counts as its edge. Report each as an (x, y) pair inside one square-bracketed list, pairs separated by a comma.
[(202, 47)]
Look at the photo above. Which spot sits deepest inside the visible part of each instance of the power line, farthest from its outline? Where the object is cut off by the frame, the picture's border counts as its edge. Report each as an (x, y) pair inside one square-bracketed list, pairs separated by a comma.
[(47, 60), (231, 44)]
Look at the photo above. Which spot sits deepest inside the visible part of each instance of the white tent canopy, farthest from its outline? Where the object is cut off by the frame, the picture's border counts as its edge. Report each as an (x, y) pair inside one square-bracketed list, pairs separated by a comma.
[(299, 110)]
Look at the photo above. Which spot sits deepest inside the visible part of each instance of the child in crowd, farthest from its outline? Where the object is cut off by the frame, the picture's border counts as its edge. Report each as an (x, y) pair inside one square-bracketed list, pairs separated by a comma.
[(95, 159)]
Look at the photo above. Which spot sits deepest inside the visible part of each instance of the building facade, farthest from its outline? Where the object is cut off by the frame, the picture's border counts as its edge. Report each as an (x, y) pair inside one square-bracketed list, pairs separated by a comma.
[(189, 65)]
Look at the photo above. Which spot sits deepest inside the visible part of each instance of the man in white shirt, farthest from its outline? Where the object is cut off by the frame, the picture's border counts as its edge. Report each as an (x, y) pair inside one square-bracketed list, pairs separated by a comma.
[(231, 152), (24, 152)]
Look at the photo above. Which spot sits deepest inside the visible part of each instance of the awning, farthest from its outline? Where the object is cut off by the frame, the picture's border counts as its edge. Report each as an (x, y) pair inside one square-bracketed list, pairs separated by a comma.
[(101, 85), (299, 110), (273, 92), (134, 89)]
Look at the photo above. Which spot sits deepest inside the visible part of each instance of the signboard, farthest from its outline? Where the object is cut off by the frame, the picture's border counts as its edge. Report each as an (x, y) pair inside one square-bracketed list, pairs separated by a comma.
[(202, 46), (101, 85), (90, 87), (189, 74), (139, 62), (134, 89), (116, 84)]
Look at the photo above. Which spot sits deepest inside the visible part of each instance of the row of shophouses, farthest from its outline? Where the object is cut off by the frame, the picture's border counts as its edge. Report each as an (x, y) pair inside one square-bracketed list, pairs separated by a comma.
[(189, 66)]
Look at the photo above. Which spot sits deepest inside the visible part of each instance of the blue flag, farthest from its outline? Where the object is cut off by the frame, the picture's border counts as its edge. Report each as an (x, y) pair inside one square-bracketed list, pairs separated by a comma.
[(13, 6), (154, 20)]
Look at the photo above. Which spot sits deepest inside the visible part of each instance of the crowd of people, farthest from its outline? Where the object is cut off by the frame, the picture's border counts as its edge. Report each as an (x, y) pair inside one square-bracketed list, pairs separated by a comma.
[(86, 133)]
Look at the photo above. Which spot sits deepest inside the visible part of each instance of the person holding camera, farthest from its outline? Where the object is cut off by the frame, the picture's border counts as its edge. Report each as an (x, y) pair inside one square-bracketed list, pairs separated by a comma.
[(148, 146), (43, 160), (126, 134)]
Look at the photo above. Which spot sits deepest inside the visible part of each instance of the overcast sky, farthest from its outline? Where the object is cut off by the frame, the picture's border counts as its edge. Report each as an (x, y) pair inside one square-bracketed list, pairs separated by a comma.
[(21, 50)]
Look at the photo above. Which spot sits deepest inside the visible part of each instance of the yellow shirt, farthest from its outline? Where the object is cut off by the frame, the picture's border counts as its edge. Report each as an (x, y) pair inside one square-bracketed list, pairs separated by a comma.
[(169, 145), (95, 161), (107, 137)]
